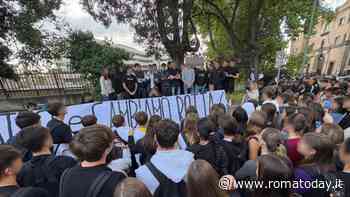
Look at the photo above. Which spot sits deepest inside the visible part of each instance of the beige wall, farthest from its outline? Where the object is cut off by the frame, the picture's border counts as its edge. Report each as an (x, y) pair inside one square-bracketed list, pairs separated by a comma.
[(335, 36)]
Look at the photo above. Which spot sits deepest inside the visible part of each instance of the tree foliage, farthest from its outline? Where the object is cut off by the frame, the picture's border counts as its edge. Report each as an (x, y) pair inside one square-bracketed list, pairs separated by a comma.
[(294, 64), (89, 57), (158, 23), (252, 28), (20, 34)]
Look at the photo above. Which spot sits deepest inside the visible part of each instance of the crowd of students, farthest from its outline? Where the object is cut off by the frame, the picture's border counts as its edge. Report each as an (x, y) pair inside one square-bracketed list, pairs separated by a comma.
[(287, 133), (167, 79)]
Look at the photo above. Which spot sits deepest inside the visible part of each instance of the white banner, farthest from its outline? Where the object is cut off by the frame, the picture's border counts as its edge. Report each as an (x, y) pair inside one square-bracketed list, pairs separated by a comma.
[(172, 107)]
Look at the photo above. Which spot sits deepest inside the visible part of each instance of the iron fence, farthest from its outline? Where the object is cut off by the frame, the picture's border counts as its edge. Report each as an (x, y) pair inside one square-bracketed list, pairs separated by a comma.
[(44, 84)]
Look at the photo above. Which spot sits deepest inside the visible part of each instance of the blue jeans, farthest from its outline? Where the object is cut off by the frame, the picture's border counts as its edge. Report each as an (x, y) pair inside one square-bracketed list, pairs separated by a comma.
[(105, 98), (175, 90), (188, 90), (200, 89)]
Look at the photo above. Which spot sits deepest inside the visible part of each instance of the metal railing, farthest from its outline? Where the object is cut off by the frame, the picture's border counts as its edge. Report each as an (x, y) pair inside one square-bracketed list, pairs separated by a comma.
[(43, 84)]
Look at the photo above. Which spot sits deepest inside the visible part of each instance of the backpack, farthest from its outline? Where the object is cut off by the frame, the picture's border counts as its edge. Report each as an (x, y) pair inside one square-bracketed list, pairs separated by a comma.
[(29, 191), (166, 188), (21, 192), (236, 156), (43, 176), (95, 187), (211, 158), (56, 146)]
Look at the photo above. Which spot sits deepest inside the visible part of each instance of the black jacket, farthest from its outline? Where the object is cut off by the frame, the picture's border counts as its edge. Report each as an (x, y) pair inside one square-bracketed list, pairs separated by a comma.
[(345, 122), (61, 132), (44, 171), (212, 153)]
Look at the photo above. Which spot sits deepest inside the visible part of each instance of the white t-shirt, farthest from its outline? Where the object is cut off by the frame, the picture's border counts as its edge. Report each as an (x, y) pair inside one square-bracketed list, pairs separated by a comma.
[(106, 86)]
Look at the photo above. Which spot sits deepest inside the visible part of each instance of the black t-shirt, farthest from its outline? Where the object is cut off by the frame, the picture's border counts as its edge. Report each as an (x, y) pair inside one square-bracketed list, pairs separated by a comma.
[(7, 191), (173, 72), (140, 76), (61, 133), (130, 81), (201, 77), (117, 82), (79, 180), (217, 78), (44, 171), (230, 71)]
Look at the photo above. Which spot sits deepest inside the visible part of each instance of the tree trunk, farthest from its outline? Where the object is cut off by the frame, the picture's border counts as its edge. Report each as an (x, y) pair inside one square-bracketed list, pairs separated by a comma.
[(179, 58)]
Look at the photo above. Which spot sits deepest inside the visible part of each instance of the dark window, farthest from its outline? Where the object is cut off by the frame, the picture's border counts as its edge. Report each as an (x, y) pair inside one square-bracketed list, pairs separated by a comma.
[(336, 41), (322, 43), (341, 21), (330, 68)]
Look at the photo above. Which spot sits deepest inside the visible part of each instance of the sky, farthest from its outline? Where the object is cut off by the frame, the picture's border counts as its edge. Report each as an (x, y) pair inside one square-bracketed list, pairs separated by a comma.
[(334, 3), (72, 12)]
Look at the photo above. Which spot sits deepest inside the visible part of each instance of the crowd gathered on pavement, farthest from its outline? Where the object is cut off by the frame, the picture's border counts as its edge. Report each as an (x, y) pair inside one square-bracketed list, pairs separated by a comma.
[(285, 130)]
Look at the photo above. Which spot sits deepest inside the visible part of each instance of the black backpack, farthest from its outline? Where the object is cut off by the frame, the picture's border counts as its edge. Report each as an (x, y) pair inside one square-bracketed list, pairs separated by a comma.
[(43, 176), (29, 191), (236, 156), (21, 192), (166, 188), (214, 159), (57, 146), (95, 187)]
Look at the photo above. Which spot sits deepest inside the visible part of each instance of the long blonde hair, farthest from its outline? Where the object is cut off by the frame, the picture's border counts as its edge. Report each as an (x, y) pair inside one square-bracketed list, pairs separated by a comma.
[(190, 129)]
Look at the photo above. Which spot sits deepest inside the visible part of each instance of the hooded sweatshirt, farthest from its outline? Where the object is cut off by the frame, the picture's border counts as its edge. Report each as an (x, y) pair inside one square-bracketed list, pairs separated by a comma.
[(173, 164)]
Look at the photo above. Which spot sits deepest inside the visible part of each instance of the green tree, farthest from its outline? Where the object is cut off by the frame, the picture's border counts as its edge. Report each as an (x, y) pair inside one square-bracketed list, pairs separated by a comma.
[(166, 23), (252, 29), (19, 27), (89, 57), (294, 64)]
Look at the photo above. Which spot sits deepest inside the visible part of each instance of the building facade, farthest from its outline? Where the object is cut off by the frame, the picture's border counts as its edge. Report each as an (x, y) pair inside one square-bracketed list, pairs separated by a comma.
[(329, 47)]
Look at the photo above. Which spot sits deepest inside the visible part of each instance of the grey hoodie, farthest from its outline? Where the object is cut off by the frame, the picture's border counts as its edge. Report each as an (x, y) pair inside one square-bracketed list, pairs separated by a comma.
[(174, 164)]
